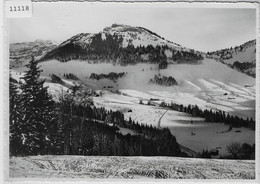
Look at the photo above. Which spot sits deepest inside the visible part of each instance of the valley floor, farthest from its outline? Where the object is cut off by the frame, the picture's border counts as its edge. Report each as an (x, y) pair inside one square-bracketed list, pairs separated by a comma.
[(128, 168), (207, 135)]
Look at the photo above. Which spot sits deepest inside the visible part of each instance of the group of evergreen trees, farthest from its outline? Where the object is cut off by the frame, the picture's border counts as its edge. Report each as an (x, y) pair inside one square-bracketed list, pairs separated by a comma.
[(70, 76), (163, 80), (212, 116), (32, 113), (244, 66), (38, 125), (111, 76), (186, 57), (56, 79)]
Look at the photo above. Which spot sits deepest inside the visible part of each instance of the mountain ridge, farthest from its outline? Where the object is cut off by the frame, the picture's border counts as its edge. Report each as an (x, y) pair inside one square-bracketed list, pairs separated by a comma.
[(125, 45)]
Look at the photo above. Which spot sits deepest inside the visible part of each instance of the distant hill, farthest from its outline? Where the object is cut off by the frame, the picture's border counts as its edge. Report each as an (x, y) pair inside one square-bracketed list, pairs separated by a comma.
[(21, 53), (123, 44), (242, 57)]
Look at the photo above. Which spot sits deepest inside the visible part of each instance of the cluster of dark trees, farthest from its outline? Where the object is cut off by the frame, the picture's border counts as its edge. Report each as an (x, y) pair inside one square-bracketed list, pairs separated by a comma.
[(111, 76), (244, 66), (38, 125), (212, 116), (235, 151), (97, 49), (111, 49), (186, 57), (56, 79), (163, 80), (70, 76)]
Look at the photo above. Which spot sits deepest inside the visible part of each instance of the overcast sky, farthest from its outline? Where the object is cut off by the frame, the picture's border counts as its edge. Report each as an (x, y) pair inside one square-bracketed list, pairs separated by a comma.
[(203, 29)]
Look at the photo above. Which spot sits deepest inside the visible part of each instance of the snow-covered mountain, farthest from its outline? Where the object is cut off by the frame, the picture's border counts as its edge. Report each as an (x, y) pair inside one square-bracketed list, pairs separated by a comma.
[(123, 44), (137, 53), (21, 53), (242, 58), (136, 36)]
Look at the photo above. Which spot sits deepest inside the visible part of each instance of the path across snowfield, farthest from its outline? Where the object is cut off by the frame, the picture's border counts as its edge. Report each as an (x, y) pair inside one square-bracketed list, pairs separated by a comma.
[(129, 167)]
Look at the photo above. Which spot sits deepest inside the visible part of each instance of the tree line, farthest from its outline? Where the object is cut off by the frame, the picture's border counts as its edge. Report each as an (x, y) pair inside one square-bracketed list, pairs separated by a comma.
[(111, 76), (235, 151), (212, 116), (163, 80), (70, 76)]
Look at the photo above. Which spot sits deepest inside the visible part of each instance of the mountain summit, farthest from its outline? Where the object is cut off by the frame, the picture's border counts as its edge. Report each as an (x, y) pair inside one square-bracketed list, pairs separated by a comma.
[(125, 45), (139, 36)]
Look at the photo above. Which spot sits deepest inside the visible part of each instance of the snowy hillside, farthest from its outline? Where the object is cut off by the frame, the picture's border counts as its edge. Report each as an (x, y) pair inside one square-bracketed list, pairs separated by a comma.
[(241, 57), (90, 167), (21, 53), (204, 85)]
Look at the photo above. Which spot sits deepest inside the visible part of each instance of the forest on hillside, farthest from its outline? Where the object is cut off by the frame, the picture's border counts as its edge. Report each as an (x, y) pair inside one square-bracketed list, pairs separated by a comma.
[(213, 116)]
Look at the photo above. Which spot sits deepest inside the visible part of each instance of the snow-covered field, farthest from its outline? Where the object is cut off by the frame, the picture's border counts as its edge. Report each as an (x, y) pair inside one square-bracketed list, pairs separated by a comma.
[(91, 167), (207, 135)]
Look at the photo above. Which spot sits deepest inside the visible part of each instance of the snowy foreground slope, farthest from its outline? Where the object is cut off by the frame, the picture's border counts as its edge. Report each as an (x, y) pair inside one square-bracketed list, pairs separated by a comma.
[(129, 167)]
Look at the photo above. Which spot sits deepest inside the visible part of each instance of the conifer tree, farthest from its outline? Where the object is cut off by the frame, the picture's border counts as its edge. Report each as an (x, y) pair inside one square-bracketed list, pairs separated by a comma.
[(14, 119), (38, 111)]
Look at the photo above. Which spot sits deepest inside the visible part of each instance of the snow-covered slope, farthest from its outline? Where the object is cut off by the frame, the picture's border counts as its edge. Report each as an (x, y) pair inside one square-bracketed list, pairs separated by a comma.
[(93, 167), (245, 53), (54, 89), (209, 85), (138, 36)]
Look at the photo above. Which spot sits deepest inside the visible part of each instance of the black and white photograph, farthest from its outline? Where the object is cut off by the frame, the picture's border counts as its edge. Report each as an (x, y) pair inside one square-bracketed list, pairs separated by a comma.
[(136, 91)]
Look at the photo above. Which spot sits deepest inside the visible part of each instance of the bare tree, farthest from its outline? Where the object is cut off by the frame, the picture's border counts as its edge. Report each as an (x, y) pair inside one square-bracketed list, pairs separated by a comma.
[(234, 149)]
